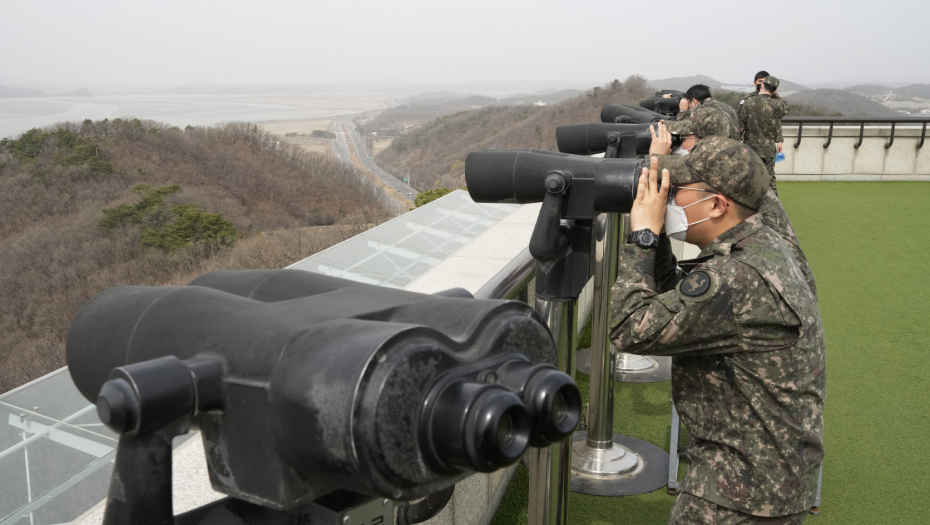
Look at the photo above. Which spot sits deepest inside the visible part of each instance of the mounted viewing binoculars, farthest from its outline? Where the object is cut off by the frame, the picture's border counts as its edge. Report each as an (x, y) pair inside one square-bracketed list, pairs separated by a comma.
[(627, 114), (586, 185), (664, 105), (593, 138), (305, 385)]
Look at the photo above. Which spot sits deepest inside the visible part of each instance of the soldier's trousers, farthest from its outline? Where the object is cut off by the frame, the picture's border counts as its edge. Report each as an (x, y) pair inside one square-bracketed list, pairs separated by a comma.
[(692, 510), (770, 164)]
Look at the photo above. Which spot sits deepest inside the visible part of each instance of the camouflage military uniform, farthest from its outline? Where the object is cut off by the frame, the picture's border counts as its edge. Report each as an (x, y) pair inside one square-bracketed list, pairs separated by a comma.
[(748, 378), (691, 510), (770, 208), (701, 122), (733, 125), (760, 119)]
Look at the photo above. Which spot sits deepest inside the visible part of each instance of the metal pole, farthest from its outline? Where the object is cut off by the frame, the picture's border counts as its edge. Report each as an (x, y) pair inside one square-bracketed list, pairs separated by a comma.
[(550, 467), (28, 481), (600, 415), (604, 463)]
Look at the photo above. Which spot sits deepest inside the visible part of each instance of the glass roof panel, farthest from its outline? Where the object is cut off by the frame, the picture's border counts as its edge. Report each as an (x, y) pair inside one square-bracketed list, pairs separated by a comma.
[(400, 250)]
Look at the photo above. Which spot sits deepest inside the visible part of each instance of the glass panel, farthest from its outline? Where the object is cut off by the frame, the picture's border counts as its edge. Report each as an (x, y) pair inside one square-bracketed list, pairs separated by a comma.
[(56, 456), (398, 251)]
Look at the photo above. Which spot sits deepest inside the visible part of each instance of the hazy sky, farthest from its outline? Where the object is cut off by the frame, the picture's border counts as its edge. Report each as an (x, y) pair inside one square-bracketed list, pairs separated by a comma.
[(375, 42)]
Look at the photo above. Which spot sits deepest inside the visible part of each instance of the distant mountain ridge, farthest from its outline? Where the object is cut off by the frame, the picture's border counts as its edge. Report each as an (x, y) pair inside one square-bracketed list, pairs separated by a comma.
[(909, 92), (12, 92), (683, 83), (841, 101)]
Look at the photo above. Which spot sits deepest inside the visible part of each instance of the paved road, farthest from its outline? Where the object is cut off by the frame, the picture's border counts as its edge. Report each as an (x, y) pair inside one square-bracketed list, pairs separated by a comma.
[(365, 157)]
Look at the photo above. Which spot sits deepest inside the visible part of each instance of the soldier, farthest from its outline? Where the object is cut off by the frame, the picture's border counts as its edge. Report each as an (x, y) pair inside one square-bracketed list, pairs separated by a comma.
[(760, 119), (699, 95), (705, 124), (748, 377)]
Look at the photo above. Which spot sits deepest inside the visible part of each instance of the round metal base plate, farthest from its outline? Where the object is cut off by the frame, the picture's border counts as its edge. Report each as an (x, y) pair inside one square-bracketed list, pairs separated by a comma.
[(651, 472), (661, 372)]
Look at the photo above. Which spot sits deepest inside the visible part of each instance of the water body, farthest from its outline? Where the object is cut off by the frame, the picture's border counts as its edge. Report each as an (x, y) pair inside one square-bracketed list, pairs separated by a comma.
[(22, 114)]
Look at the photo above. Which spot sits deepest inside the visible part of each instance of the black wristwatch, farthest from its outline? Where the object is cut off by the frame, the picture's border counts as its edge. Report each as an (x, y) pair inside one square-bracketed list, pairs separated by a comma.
[(645, 238)]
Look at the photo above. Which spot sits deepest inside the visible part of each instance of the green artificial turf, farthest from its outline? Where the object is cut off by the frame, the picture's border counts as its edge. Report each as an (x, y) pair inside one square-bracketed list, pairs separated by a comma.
[(867, 243)]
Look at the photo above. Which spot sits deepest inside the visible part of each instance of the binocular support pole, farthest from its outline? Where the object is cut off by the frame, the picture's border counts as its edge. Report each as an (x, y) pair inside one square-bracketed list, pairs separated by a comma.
[(550, 467), (562, 253), (608, 464)]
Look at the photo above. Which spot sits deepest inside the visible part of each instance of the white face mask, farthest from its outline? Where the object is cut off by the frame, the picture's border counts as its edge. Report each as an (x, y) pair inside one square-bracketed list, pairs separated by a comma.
[(676, 221), (681, 152)]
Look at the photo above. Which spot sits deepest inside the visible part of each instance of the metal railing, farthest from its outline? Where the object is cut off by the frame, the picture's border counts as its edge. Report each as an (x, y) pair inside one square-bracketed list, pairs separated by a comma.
[(862, 121)]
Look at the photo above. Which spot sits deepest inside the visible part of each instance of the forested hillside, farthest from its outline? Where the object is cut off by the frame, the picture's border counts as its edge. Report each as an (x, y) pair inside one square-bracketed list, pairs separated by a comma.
[(435, 154), (84, 207)]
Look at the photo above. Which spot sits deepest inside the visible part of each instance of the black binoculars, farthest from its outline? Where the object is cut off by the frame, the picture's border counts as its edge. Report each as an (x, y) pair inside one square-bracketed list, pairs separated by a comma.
[(665, 105), (627, 114), (302, 383), (588, 185)]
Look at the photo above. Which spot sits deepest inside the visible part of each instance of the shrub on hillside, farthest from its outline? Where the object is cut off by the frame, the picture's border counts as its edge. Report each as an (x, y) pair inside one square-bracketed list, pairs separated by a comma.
[(429, 196)]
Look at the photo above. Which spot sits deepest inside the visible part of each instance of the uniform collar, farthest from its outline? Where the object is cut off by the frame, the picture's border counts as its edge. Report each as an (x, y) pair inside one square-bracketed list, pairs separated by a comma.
[(722, 244)]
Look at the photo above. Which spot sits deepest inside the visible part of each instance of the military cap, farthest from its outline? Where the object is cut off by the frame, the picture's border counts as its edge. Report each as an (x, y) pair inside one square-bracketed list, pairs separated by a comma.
[(726, 165), (772, 80), (679, 127)]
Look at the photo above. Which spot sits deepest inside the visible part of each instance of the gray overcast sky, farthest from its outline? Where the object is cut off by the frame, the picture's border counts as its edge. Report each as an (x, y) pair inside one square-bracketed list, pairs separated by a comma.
[(168, 42)]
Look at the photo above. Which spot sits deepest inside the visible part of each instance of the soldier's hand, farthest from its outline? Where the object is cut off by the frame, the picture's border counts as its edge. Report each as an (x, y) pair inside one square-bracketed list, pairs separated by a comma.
[(661, 140), (684, 104), (651, 196), (667, 95), (778, 146)]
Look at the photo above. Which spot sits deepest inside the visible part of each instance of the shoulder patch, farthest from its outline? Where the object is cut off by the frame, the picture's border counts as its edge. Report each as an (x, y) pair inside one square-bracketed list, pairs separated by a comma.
[(696, 286), (741, 102)]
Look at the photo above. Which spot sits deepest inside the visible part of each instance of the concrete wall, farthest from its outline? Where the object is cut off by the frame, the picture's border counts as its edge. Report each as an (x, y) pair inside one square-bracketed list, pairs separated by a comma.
[(841, 161)]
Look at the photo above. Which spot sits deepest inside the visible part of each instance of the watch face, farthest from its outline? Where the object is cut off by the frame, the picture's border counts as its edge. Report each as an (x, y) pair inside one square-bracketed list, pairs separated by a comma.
[(647, 237)]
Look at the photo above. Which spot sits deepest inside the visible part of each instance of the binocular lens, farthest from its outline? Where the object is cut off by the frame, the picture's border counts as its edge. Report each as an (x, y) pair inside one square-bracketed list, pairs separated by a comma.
[(505, 434), (478, 426)]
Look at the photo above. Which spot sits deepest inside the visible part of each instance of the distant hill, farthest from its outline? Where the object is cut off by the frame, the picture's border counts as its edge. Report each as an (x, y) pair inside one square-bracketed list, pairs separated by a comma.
[(82, 92), (551, 97), (683, 83), (11, 92), (913, 91), (434, 154), (870, 90), (840, 101)]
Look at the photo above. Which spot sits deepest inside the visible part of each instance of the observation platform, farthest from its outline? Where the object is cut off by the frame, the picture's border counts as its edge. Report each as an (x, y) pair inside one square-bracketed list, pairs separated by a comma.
[(56, 457)]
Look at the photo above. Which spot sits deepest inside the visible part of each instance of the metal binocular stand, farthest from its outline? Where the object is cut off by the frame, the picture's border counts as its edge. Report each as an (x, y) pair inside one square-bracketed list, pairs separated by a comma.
[(598, 461)]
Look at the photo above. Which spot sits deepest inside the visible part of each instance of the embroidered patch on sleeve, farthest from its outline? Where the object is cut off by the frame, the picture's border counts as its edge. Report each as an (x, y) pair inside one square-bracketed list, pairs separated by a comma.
[(697, 286)]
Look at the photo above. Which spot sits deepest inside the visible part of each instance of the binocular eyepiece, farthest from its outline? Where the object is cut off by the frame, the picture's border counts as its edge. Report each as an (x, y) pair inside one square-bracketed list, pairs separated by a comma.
[(506, 407), (304, 383)]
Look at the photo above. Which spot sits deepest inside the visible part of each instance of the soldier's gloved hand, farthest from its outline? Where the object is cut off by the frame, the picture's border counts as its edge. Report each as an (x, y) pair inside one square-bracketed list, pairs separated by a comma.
[(651, 196), (661, 140)]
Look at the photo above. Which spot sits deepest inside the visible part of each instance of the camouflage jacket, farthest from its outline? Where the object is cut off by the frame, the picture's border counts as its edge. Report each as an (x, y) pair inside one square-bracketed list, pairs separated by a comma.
[(733, 125), (760, 121), (775, 217), (748, 374)]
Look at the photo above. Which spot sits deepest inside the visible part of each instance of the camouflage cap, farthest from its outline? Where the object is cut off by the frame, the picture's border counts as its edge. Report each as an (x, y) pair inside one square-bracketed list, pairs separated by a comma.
[(772, 80), (728, 166), (706, 121), (679, 127)]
